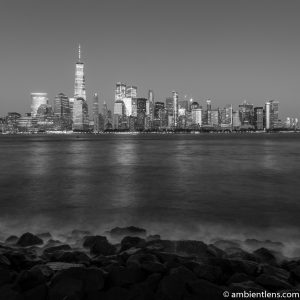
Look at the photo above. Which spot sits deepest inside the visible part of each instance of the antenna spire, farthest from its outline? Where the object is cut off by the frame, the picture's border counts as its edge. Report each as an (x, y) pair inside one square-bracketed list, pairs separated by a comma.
[(79, 53)]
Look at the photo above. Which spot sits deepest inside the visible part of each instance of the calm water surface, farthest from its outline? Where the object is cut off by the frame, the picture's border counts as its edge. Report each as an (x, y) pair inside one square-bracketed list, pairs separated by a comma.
[(191, 186)]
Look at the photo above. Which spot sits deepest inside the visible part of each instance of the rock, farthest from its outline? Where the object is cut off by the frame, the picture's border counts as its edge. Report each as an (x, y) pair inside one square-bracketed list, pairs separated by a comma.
[(125, 276), (45, 270), (57, 266), (202, 289), (171, 287), (132, 241), (214, 251), (119, 232), (85, 279), (11, 240), (225, 244), (296, 272), (245, 286), (266, 256), (67, 288), (29, 239), (4, 261), (207, 272), (29, 279), (21, 261), (274, 271), (141, 292), (45, 236), (51, 250), (153, 267), (73, 257), (254, 244), (188, 247), (99, 245), (238, 277), (39, 292), (238, 253), (184, 274), (116, 293), (244, 266), (154, 237), (6, 276), (272, 283), (7, 293), (140, 258)]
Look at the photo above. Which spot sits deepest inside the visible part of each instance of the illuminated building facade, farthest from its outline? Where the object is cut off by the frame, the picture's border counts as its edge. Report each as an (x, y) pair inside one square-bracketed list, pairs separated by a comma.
[(37, 99)]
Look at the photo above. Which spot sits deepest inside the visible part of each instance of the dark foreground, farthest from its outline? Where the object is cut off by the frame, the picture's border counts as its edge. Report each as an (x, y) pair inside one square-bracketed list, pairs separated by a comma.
[(126, 263)]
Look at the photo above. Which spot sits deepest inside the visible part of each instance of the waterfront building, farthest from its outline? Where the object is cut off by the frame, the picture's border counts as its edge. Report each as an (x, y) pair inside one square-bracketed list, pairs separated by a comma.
[(37, 99), (119, 108), (80, 115), (128, 106), (62, 106), (259, 118), (194, 105), (226, 116), (246, 112), (236, 122), (272, 114), (170, 106), (150, 105), (131, 92), (197, 116), (96, 112), (183, 104), (175, 107), (71, 105), (141, 113), (134, 107), (79, 87), (120, 91), (214, 117), (157, 107)]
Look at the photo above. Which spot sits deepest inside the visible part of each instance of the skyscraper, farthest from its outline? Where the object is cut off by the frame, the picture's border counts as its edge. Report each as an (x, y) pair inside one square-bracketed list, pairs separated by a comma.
[(37, 99), (80, 107), (175, 102), (120, 91), (62, 106), (246, 113), (79, 88), (131, 91), (259, 118), (96, 112), (150, 104)]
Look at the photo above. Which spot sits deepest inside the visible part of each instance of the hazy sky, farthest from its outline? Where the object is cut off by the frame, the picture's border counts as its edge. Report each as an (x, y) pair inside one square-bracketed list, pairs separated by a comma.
[(225, 50)]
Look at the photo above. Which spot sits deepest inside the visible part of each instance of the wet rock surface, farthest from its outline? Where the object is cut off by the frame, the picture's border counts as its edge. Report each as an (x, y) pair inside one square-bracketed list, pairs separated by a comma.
[(137, 266)]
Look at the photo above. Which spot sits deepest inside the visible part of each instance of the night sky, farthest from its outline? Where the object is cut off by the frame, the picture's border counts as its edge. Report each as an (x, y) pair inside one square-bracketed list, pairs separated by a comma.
[(225, 50)]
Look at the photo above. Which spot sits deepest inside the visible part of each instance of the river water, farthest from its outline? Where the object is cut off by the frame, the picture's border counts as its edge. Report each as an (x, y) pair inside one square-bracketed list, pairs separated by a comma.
[(181, 186)]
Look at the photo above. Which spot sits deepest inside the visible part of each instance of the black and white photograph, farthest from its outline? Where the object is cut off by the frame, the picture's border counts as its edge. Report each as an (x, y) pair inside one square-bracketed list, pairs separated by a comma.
[(149, 149)]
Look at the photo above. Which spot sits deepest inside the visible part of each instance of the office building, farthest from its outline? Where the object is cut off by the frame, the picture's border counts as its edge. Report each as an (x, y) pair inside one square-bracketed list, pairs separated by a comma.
[(79, 87), (120, 91), (37, 99), (259, 118)]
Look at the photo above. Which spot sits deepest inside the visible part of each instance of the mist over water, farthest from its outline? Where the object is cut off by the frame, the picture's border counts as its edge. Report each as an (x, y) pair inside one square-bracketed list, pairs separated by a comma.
[(180, 186)]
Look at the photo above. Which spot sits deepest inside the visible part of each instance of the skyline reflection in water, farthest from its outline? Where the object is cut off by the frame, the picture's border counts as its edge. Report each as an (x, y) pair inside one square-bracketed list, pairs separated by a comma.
[(187, 186)]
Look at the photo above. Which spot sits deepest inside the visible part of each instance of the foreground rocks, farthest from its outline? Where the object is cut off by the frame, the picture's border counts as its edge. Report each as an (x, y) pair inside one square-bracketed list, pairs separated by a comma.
[(137, 266)]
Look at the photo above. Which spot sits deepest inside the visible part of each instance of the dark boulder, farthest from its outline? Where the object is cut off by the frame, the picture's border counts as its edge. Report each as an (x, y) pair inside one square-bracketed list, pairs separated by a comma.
[(8, 293), (4, 261), (190, 247), (132, 241), (39, 292), (52, 250), (6, 276), (295, 271), (208, 272), (115, 293), (202, 289), (154, 237), (238, 277), (239, 287), (99, 245), (266, 256), (275, 271), (254, 244), (13, 239), (29, 279), (125, 276), (119, 232), (29, 239), (73, 257), (77, 281), (272, 283)]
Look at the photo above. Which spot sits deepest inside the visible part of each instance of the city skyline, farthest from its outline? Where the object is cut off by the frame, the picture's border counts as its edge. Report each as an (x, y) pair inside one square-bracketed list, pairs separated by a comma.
[(229, 52)]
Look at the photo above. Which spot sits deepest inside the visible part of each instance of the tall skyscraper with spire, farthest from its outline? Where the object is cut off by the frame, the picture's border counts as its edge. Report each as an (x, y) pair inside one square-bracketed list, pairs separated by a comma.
[(79, 88), (80, 107)]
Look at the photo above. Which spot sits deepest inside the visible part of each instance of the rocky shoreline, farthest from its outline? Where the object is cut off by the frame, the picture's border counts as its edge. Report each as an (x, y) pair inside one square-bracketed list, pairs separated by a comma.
[(128, 264)]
